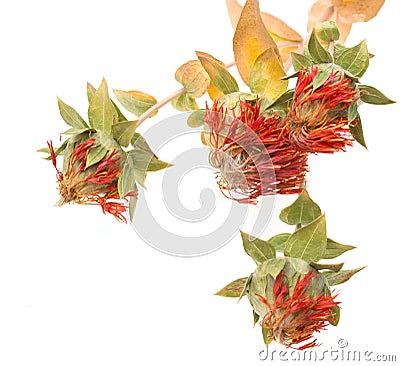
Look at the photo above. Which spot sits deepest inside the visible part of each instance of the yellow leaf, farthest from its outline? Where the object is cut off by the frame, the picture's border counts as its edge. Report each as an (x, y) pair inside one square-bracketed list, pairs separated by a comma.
[(251, 39), (194, 78), (135, 101), (278, 29), (286, 51), (265, 77), (214, 93)]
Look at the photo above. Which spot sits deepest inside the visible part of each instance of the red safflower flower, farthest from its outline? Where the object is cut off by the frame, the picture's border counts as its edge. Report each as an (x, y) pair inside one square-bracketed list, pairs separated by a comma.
[(317, 120), (252, 153), (96, 184), (295, 315)]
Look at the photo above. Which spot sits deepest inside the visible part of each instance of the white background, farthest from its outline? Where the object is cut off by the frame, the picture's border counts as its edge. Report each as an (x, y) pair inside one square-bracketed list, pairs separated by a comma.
[(76, 287)]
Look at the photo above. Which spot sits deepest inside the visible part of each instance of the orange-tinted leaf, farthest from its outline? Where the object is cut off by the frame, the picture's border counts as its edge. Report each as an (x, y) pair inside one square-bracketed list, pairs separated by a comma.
[(265, 77), (251, 39), (218, 73), (214, 93), (194, 78), (344, 29), (344, 13), (135, 101), (278, 29), (357, 10)]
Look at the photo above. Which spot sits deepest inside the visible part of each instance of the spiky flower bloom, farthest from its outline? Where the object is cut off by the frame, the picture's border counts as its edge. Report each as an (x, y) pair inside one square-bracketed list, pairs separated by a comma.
[(317, 120), (252, 153), (95, 184), (297, 313)]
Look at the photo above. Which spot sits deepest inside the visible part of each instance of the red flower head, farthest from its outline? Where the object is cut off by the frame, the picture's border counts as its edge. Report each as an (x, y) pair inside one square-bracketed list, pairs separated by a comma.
[(317, 120), (96, 184), (296, 313), (252, 153)]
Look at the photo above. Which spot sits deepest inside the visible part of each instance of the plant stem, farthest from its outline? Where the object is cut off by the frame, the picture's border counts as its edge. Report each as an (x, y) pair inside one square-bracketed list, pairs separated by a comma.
[(159, 104), (166, 100)]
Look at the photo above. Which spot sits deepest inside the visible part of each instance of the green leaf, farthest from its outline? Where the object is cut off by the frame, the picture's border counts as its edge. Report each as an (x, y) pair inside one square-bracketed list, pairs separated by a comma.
[(140, 176), (332, 267), (336, 278), (132, 205), (279, 241), (372, 95), (352, 112), (218, 73), (102, 113), (338, 50), (300, 61), (309, 242), (234, 289), (282, 101), (245, 287), (126, 181), (302, 211), (107, 141), (147, 161), (355, 59), (196, 118), (266, 339), (256, 318), (71, 116), (356, 130), (95, 155), (266, 76), (334, 249), (139, 142), (75, 131), (259, 250), (135, 101), (317, 51), (91, 90), (327, 31), (185, 103), (321, 77), (336, 312), (123, 132)]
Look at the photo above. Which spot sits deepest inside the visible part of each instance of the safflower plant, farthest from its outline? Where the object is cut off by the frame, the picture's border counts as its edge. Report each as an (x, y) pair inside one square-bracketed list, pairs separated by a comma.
[(259, 140)]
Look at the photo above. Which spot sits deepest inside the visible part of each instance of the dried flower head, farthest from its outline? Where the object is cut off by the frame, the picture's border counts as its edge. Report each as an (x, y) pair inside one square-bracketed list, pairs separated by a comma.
[(252, 153), (317, 119), (96, 184), (296, 313)]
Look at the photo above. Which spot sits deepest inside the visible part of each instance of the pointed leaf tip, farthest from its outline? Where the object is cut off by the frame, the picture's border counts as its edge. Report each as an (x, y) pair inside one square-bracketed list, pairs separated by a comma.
[(251, 39), (303, 211)]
